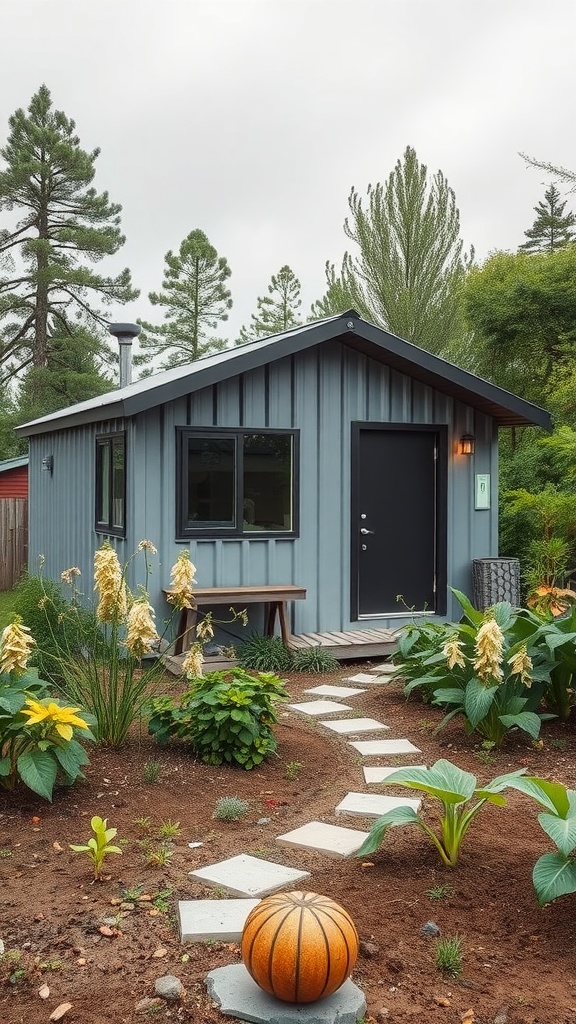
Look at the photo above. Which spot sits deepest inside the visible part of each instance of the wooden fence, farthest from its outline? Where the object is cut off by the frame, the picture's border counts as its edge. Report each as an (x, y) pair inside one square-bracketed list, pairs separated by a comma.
[(13, 540)]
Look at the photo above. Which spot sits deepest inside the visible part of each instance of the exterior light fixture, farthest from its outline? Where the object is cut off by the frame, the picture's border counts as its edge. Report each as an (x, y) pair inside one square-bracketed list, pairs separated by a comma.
[(48, 464), (466, 444)]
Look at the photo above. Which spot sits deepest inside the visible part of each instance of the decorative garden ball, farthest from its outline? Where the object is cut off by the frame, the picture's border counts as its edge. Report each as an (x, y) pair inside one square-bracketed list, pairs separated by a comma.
[(299, 946)]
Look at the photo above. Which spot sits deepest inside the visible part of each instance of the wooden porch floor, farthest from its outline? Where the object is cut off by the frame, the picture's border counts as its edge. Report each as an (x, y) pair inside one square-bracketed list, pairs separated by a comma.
[(354, 645)]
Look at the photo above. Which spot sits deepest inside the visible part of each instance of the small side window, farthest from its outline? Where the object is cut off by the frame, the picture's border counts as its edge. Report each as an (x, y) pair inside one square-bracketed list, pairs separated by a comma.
[(111, 484)]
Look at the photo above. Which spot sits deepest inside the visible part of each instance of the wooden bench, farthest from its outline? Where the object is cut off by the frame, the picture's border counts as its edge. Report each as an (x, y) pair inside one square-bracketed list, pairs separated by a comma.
[(275, 597)]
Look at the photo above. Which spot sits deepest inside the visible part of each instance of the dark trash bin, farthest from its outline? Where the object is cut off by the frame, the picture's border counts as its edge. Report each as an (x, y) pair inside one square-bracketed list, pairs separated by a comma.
[(495, 579)]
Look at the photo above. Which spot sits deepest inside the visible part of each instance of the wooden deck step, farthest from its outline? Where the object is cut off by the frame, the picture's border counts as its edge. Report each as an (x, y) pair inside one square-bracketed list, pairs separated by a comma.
[(349, 644)]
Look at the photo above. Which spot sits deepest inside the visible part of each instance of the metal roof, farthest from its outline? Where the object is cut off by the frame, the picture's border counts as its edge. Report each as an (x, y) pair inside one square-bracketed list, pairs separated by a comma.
[(348, 328), (15, 463)]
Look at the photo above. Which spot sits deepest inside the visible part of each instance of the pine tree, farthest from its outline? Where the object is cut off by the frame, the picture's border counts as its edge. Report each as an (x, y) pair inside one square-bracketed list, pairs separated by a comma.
[(196, 300), (46, 281), (552, 228), (277, 311), (408, 271), (336, 298)]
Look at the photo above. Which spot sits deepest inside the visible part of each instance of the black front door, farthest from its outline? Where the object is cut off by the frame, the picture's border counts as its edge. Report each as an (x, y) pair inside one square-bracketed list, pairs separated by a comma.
[(395, 519)]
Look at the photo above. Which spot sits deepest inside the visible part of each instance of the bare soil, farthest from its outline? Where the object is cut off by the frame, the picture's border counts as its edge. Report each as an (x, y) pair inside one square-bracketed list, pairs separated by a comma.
[(519, 961)]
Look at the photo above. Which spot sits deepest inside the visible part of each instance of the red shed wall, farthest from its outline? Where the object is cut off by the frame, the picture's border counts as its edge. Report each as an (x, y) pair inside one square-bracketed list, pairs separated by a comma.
[(14, 483)]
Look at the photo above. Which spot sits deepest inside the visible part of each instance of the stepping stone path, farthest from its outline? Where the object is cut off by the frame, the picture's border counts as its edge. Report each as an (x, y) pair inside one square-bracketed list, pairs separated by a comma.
[(251, 877)]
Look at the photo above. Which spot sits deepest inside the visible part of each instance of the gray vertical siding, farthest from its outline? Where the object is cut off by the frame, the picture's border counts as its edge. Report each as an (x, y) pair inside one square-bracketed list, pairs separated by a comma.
[(320, 392)]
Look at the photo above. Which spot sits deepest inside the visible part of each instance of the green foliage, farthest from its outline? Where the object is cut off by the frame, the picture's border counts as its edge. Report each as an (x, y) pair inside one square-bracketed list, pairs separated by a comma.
[(151, 772), (552, 228), (169, 829), (420, 646), (277, 311), (47, 284), (554, 874), (460, 800), (437, 893), (314, 659), (264, 654), (225, 716), (448, 955), (39, 737), (336, 298), (57, 625), (522, 311), (195, 300), (292, 770), (410, 264), (492, 668), (99, 845), (230, 808)]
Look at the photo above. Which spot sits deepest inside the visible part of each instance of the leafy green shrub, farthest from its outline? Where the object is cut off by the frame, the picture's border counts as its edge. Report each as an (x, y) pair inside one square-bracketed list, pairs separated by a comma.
[(230, 808), (226, 717), (420, 648), (314, 659), (264, 654), (454, 790)]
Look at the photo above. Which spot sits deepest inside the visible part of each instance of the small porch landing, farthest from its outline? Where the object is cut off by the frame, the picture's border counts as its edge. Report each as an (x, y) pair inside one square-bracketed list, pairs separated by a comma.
[(354, 644)]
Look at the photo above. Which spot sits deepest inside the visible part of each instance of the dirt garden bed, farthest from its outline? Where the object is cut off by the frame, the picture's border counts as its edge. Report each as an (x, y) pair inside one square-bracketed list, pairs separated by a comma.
[(519, 961)]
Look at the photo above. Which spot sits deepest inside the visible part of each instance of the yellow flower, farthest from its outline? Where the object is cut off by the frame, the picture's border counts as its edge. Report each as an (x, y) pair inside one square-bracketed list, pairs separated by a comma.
[(15, 647), (142, 634), (183, 579), (521, 665), (67, 576), (47, 711), (452, 651), (147, 545), (108, 580), (193, 662), (489, 647), (205, 629)]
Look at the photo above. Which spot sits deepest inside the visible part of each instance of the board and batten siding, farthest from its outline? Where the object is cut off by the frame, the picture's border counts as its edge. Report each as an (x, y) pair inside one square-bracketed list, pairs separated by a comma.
[(319, 392)]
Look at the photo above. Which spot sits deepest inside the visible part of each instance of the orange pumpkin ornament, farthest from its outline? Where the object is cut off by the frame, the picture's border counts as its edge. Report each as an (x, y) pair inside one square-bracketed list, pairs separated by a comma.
[(299, 946)]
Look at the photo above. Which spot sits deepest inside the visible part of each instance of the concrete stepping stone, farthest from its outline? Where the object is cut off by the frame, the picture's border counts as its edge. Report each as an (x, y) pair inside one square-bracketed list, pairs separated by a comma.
[(361, 678), (392, 747), (373, 805), (319, 707), (222, 920), (237, 995), (386, 668), (372, 774), (353, 725), (335, 691), (333, 840), (248, 876)]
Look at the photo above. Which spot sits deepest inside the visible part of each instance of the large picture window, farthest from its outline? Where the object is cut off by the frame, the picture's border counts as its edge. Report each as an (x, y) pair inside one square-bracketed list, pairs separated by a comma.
[(236, 482), (111, 484)]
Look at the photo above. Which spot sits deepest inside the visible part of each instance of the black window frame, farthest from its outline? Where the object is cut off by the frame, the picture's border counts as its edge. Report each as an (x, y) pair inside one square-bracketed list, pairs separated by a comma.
[(107, 526), (185, 532)]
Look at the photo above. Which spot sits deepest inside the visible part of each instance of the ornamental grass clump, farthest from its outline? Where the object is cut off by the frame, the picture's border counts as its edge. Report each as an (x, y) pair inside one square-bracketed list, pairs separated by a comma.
[(39, 735)]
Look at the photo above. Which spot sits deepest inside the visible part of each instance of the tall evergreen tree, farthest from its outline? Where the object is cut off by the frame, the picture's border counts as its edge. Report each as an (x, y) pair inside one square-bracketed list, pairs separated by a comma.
[(46, 278), (277, 311), (336, 298), (552, 228), (196, 300), (410, 262)]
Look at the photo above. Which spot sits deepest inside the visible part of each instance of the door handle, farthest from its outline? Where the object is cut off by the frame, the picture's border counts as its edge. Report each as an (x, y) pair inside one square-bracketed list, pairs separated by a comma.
[(364, 531)]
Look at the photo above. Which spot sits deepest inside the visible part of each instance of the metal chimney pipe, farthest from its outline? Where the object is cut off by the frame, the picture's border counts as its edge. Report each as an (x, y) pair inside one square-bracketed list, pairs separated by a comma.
[(125, 334)]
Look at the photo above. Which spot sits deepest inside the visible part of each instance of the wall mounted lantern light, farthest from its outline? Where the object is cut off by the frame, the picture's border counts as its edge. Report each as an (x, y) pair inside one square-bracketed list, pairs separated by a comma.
[(48, 464), (466, 444)]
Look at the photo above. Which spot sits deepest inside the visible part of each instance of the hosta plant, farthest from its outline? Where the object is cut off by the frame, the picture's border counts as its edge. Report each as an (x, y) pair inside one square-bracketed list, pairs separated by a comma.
[(227, 717), (39, 736), (460, 800), (554, 874)]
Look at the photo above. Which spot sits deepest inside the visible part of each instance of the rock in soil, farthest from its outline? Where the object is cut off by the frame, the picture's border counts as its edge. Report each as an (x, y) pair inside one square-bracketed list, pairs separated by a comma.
[(431, 929), (169, 987)]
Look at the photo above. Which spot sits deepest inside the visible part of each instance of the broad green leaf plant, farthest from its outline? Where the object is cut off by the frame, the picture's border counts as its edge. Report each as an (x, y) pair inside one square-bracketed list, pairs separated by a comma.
[(39, 736), (554, 874), (460, 799), (99, 845), (493, 668)]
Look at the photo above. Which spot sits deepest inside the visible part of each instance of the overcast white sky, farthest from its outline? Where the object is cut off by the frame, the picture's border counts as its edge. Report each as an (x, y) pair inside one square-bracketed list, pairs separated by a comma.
[(252, 119)]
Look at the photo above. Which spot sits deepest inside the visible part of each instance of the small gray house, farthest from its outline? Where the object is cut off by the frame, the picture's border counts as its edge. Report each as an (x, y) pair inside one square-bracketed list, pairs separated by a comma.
[(334, 457)]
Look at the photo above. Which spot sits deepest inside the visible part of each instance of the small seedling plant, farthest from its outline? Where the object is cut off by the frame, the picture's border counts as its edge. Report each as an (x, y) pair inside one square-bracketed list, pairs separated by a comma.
[(460, 802), (99, 845), (448, 955)]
